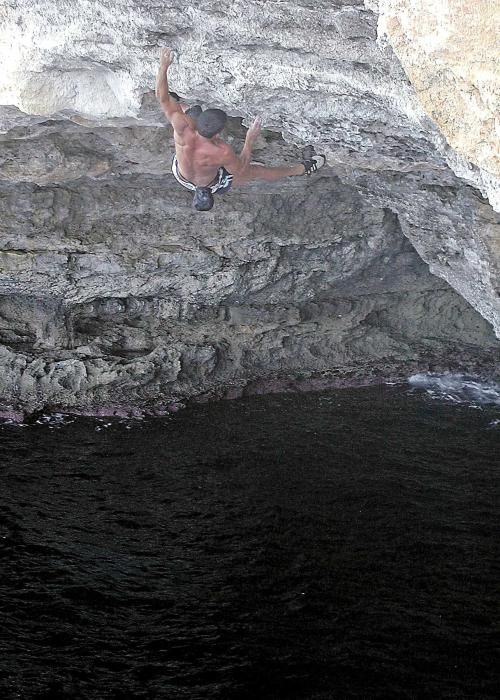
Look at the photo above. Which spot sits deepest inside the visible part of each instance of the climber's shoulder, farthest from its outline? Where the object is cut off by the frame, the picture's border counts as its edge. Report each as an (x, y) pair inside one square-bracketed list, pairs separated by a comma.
[(183, 126), (227, 156), (224, 149)]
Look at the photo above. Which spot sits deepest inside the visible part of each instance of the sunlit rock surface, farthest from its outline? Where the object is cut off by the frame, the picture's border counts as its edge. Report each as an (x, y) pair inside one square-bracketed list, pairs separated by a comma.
[(114, 291), (450, 50)]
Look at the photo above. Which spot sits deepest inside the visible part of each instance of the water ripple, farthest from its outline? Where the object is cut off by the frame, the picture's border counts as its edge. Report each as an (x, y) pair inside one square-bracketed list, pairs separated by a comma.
[(337, 545)]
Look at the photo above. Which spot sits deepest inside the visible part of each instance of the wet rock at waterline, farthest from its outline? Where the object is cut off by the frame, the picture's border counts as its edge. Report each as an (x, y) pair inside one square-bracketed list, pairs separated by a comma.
[(113, 291)]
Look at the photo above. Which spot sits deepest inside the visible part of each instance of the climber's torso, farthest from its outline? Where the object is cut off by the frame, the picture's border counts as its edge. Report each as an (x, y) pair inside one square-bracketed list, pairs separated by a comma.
[(199, 158)]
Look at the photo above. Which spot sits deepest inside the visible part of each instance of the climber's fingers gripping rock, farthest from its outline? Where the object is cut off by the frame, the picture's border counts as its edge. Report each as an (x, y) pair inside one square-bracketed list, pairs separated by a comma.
[(166, 57)]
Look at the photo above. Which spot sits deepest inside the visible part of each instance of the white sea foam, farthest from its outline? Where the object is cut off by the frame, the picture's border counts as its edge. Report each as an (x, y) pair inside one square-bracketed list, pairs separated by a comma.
[(458, 388), (55, 420)]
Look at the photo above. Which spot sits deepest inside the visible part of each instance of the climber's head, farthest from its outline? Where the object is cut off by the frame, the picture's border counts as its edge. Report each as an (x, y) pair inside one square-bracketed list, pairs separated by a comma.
[(194, 112), (211, 122), (203, 199)]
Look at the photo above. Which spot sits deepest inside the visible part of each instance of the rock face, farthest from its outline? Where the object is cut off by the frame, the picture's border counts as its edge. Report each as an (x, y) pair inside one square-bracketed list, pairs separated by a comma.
[(451, 53), (114, 291)]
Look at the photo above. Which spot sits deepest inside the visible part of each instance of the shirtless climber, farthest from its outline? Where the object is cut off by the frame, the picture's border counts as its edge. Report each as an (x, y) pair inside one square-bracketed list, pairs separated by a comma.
[(203, 162)]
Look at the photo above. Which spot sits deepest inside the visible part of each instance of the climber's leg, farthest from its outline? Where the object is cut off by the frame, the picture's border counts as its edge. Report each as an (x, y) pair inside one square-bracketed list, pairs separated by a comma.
[(311, 163), (262, 172)]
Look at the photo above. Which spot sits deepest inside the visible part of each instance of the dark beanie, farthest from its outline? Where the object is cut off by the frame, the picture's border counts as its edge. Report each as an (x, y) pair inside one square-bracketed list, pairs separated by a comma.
[(194, 112)]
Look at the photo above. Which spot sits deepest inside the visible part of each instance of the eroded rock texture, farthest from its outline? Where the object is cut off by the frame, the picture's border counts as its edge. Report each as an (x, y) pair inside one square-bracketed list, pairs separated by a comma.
[(113, 291), (451, 53)]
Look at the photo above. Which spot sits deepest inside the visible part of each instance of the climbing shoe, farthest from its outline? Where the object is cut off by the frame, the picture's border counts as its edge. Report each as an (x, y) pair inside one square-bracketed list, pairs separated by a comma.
[(311, 160)]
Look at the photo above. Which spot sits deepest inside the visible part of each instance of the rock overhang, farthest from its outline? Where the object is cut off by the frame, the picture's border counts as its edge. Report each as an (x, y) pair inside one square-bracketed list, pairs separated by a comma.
[(91, 212)]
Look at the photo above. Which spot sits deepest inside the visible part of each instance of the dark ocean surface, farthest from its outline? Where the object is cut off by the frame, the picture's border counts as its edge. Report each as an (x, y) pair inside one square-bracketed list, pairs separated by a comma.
[(316, 546)]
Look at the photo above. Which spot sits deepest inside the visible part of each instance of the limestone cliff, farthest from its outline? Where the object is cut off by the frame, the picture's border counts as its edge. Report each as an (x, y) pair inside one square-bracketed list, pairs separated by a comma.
[(115, 291), (450, 50)]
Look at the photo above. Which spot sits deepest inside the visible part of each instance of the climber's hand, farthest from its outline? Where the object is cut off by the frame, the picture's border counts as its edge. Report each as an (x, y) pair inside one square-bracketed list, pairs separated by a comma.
[(254, 130), (166, 57)]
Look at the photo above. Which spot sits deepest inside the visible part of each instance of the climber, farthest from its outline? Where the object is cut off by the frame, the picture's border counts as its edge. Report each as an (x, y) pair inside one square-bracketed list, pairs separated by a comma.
[(203, 162)]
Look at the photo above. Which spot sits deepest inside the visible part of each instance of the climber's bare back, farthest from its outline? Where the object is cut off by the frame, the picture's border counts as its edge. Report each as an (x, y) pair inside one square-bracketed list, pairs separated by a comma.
[(199, 159)]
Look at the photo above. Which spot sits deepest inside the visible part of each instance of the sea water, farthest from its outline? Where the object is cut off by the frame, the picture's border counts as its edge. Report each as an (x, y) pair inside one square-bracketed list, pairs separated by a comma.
[(330, 545)]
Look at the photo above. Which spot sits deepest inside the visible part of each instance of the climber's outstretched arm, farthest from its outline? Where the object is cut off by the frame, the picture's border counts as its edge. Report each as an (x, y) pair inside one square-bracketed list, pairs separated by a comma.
[(250, 139), (170, 106), (235, 164)]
